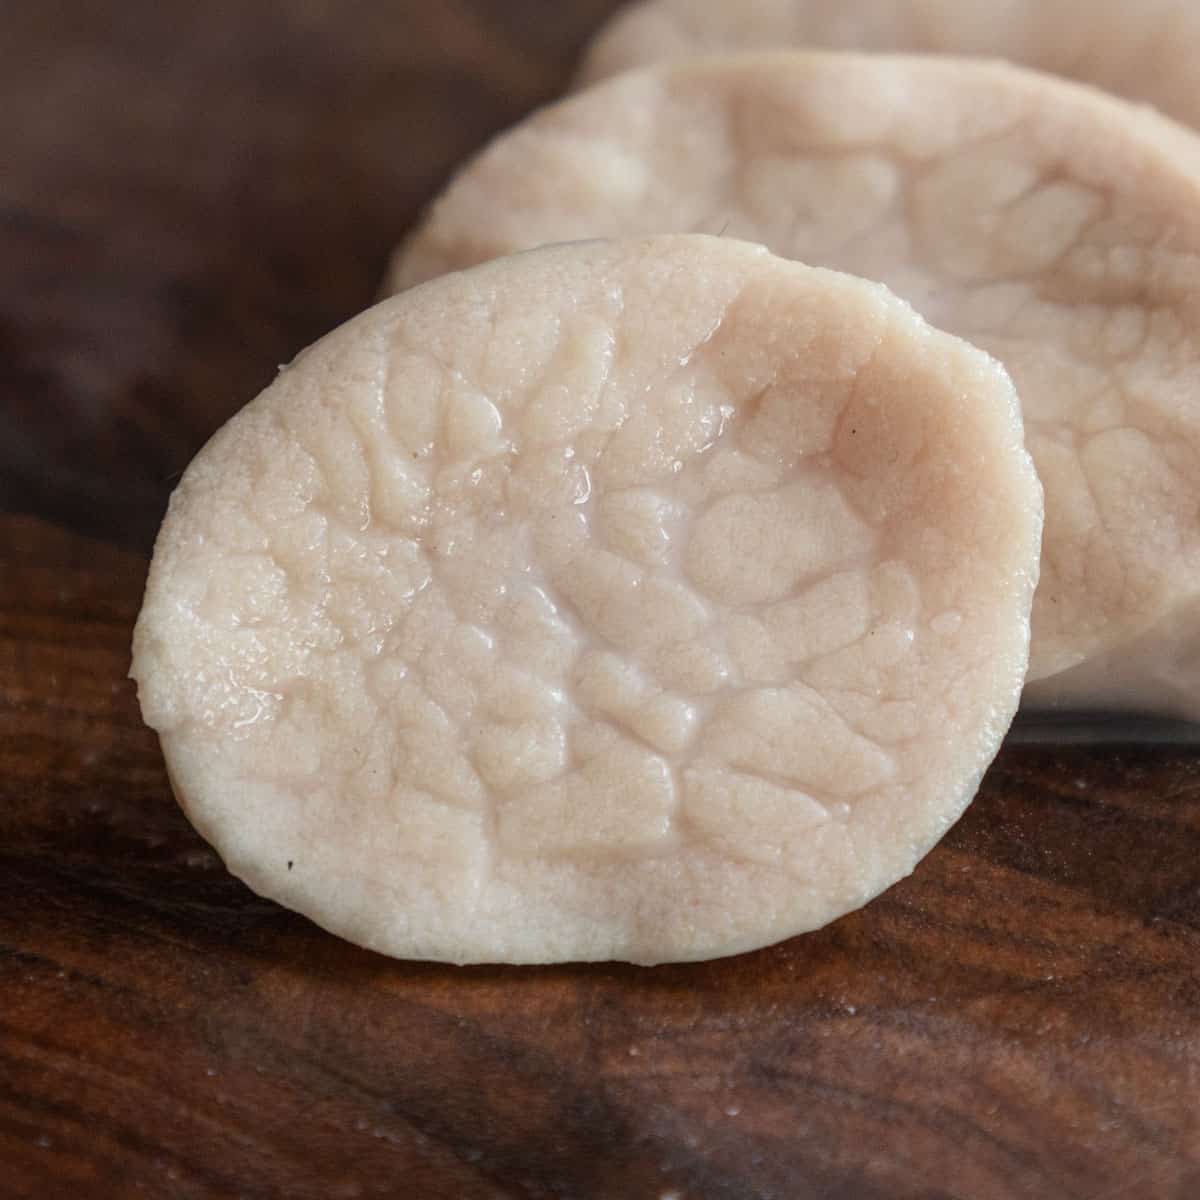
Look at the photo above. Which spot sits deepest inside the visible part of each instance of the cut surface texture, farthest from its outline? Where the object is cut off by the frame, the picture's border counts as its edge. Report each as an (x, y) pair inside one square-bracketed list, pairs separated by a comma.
[(652, 600), (1145, 51), (1055, 227)]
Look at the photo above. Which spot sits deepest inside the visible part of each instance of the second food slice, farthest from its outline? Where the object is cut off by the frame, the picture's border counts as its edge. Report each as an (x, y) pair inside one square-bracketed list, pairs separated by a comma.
[(1055, 227), (648, 600)]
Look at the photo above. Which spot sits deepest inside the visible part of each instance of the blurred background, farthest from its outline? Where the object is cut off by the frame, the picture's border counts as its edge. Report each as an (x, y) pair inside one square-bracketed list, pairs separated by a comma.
[(191, 193)]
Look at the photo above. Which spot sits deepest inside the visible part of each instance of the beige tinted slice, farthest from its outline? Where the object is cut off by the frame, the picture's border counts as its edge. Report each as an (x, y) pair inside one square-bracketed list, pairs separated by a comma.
[(647, 600), (1055, 227), (1145, 50)]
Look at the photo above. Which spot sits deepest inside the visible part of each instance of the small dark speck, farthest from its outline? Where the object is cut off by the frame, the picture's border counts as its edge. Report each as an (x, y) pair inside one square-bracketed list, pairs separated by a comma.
[(291, 863), (853, 431)]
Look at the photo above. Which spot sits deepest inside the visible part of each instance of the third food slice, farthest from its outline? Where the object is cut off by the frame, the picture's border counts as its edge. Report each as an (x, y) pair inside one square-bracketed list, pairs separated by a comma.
[(1144, 50)]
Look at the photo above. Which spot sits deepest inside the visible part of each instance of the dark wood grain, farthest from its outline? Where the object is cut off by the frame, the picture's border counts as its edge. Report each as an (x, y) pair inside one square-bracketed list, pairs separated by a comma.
[(189, 194)]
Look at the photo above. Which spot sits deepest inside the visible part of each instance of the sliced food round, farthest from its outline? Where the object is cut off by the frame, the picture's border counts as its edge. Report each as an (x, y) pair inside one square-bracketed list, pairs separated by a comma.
[(1146, 51), (1056, 227), (646, 600)]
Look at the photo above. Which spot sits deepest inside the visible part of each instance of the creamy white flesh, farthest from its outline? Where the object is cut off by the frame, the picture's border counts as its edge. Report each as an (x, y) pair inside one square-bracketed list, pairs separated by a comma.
[(646, 600), (1055, 227), (1146, 50)]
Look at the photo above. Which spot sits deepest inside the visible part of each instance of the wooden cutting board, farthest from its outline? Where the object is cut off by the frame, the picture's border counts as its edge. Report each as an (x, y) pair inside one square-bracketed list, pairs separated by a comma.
[(189, 194)]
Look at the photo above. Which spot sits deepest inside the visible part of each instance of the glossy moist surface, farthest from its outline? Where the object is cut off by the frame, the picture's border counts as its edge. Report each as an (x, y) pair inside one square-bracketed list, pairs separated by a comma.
[(1053, 226), (649, 600), (1146, 51)]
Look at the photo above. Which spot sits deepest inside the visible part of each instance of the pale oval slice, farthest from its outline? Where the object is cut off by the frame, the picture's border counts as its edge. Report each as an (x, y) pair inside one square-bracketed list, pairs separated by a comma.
[(1146, 50), (1055, 227), (647, 600)]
